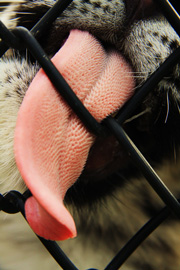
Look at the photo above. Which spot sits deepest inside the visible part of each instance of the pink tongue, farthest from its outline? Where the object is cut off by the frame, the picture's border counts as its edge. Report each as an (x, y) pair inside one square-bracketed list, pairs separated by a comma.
[(51, 144)]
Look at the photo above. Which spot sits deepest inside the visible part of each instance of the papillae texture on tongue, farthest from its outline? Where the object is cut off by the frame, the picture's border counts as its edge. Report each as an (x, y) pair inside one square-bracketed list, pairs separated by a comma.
[(51, 144)]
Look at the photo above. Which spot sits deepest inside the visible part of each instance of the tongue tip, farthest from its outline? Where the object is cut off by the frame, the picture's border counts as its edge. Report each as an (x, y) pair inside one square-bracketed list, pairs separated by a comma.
[(46, 226), (63, 233)]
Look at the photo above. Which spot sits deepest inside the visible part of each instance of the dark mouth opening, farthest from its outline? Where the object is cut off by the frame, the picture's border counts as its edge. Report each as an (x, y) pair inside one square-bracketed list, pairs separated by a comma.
[(139, 9)]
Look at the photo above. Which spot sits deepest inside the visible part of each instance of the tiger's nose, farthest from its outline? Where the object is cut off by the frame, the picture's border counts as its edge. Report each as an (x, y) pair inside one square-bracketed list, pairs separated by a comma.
[(138, 9)]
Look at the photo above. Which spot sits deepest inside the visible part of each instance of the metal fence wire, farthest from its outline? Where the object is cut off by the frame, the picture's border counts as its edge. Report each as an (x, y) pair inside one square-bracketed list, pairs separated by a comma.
[(13, 201)]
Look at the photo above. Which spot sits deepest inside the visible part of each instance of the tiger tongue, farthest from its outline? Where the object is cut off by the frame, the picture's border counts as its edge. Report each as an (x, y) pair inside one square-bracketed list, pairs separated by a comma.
[(51, 144)]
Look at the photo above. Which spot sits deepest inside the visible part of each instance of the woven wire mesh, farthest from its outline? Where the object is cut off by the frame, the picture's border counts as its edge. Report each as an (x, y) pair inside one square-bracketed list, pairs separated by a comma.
[(13, 201)]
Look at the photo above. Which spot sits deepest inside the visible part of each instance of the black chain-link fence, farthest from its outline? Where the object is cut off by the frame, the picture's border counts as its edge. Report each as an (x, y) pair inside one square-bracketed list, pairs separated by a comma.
[(13, 201)]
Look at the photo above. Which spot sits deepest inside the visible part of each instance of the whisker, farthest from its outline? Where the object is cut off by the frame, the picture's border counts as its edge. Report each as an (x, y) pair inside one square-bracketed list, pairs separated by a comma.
[(167, 113), (134, 117)]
